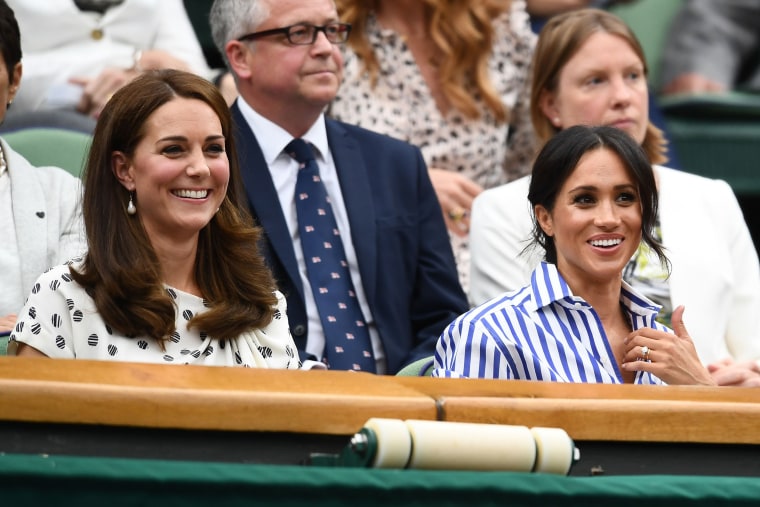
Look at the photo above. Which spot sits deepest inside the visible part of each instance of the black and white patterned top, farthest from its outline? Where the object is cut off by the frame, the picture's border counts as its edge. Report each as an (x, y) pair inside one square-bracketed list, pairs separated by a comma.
[(60, 320), (400, 105)]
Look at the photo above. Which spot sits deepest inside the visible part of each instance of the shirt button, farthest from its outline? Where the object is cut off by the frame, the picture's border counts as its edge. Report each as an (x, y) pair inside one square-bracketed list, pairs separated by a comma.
[(96, 34), (299, 330)]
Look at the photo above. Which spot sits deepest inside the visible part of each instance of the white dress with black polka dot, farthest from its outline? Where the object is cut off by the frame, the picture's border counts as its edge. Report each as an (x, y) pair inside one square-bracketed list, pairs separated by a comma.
[(400, 105), (60, 320)]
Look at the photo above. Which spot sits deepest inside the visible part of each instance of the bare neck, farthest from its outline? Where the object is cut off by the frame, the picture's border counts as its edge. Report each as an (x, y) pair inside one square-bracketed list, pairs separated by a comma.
[(604, 296), (177, 260)]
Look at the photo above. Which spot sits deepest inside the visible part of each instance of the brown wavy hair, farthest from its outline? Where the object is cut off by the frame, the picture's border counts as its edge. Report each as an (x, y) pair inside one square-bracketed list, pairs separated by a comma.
[(561, 37), (121, 270), (462, 31)]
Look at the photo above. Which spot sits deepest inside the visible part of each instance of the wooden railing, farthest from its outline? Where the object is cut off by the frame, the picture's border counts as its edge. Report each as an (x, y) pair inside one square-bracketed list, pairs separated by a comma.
[(339, 403)]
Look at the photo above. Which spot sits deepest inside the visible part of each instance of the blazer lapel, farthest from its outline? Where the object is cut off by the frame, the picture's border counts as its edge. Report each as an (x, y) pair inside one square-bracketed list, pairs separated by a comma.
[(30, 213), (357, 196), (262, 197)]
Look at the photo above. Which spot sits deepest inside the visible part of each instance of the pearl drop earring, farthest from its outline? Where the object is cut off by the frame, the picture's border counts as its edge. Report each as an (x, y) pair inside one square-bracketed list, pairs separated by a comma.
[(131, 208)]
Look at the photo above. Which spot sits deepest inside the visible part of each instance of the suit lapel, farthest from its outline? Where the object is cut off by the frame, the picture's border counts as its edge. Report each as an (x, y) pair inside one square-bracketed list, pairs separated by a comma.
[(357, 196), (262, 197)]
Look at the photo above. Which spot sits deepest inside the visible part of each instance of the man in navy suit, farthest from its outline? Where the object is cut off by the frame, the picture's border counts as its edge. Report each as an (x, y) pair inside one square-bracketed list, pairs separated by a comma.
[(286, 60)]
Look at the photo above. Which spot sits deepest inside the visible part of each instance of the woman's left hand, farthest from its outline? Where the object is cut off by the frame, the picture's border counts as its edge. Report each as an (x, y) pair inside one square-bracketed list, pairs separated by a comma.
[(455, 194), (671, 357)]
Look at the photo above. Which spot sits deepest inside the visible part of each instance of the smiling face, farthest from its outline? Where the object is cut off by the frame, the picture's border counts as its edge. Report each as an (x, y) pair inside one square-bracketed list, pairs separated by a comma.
[(179, 171), (596, 220), (602, 84)]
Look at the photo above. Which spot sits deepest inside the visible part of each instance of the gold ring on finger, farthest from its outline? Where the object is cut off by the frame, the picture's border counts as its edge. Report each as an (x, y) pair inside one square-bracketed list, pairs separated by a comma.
[(457, 214)]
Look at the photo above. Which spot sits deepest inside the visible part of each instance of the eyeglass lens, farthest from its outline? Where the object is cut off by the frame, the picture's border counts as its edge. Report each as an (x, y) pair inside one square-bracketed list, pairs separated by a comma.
[(336, 33)]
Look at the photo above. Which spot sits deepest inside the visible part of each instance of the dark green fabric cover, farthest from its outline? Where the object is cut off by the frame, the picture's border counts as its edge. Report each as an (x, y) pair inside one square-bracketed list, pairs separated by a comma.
[(716, 135), (84, 481), (727, 150)]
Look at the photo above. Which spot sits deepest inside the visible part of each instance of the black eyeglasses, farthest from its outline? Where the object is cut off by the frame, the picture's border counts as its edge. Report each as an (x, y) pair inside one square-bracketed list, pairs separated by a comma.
[(303, 34)]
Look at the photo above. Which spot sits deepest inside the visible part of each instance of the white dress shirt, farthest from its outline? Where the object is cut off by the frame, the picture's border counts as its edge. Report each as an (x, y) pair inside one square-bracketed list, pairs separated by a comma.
[(284, 170)]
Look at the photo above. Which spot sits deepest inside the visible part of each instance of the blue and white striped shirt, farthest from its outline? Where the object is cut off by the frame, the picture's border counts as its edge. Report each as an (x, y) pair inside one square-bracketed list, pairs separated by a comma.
[(539, 332)]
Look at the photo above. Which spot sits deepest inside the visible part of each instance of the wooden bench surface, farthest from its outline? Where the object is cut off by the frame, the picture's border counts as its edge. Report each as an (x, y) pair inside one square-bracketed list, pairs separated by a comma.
[(339, 403), (440, 388), (197, 397), (603, 411)]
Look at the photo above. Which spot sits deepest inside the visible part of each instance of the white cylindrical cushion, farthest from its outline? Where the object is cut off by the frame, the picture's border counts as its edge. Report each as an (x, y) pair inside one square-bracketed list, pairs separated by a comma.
[(555, 450), (470, 446), (394, 444)]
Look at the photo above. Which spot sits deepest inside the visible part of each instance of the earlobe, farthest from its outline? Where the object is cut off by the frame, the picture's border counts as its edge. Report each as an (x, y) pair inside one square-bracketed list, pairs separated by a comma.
[(16, 81), (122, 170), (544, 219)]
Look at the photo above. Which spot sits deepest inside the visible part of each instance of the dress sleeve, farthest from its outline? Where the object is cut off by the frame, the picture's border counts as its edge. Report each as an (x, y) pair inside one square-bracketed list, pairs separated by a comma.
[(467, 350), (45, 321), (273, 346)]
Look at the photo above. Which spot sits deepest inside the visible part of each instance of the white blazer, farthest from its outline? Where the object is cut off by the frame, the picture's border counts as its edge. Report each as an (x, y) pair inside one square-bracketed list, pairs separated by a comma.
[(715, 268), (59, 42), (46, 214)]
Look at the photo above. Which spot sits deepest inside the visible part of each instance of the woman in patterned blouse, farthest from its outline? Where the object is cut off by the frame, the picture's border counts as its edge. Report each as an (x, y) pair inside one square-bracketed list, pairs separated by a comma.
[(452, 78), (172, 273)]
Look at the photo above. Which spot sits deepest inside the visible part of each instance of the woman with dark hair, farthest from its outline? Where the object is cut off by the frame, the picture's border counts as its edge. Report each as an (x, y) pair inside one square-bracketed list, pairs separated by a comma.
[(589, 68), (172, 273), (40, 216), (594, 200)]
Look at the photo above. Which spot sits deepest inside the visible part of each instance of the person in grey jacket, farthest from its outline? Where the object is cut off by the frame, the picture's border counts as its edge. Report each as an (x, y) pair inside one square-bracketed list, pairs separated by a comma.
[(712, 47), (40, 214)]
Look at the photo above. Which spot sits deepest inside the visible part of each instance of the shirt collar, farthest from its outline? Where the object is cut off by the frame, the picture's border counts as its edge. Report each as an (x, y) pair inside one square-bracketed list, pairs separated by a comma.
[(273, 139), (547, 286)]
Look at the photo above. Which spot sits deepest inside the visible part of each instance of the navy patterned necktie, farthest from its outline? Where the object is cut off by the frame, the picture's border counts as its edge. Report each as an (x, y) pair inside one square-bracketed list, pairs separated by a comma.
[(347, 341)]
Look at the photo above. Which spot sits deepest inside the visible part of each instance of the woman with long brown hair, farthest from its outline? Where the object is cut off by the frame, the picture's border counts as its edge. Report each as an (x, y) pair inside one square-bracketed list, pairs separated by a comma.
[(172, 273)]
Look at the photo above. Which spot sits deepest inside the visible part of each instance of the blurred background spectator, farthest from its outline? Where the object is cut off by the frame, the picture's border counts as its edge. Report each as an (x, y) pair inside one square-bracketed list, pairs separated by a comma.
[(712, 46), (39, 206), (78, 53)]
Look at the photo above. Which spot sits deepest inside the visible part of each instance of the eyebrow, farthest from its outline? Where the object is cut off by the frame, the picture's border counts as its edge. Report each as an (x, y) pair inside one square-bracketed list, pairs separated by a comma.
[(592, 188), (212, 137)]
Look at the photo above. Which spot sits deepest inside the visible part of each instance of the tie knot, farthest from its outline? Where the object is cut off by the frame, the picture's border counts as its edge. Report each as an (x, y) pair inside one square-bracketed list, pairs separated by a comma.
[(300, 150)]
